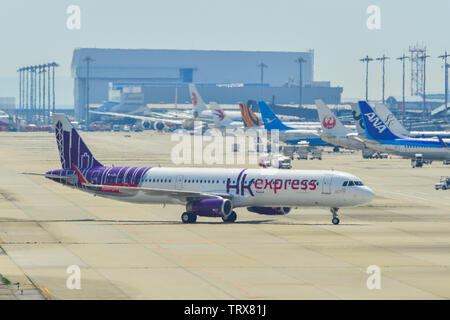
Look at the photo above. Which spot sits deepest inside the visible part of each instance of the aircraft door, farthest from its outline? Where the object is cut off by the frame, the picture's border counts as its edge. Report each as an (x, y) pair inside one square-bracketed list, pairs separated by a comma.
[(179, 183), (326, 184)]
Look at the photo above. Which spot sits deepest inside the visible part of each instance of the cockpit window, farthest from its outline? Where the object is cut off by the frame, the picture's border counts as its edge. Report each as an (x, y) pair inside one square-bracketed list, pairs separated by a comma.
[(351, 183), (358, 183), (345, 183)]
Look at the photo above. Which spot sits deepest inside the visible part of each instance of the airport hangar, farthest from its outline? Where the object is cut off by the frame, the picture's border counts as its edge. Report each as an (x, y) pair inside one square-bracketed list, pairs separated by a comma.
[(225, 77)]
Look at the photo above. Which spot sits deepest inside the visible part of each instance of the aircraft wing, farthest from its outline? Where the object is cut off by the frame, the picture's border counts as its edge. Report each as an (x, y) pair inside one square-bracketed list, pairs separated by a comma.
[(181, 195), (142, 118), (71, 179), (177, 194)]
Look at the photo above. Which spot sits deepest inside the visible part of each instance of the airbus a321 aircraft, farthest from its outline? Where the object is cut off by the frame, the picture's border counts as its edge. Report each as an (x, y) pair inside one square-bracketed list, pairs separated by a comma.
[(209, 192)]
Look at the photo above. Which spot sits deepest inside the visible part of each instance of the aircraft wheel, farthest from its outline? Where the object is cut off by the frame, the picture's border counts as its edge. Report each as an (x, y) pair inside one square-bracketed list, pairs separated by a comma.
[(230, 218), (335, 220), (188, 217)]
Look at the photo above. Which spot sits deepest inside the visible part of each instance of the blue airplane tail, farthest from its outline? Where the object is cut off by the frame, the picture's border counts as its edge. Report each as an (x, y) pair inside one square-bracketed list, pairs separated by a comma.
[(270, 120), (375, 128)]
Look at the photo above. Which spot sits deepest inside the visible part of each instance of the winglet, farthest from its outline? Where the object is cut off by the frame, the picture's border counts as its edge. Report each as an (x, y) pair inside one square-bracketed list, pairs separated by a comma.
[(79, 174)]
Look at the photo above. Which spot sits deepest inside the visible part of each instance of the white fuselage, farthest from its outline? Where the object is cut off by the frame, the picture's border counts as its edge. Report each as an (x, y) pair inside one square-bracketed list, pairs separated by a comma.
[(256, 187), (347, 141), (410, 151)]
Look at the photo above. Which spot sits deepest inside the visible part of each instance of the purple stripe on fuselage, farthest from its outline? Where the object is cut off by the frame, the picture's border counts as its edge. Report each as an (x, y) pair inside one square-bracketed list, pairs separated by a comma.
[(105, 175)]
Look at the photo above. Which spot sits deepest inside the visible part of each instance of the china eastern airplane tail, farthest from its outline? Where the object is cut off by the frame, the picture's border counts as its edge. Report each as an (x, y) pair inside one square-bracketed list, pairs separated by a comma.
[(249, 117), (207, 192)]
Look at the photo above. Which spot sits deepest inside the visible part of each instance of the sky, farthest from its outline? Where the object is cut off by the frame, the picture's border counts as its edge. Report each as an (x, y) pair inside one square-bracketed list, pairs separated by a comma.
[(34, 32)]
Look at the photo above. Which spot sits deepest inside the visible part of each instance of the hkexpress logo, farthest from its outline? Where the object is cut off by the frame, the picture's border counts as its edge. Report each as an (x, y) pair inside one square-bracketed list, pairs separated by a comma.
[(377, 123), (268, 184)]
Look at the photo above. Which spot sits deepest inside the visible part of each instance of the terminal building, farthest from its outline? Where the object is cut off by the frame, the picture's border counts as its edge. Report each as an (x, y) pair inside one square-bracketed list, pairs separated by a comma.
[(225, 77)]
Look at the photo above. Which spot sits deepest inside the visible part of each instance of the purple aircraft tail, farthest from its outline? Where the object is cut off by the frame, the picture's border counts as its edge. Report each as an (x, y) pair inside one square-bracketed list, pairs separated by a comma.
[(72, 149)]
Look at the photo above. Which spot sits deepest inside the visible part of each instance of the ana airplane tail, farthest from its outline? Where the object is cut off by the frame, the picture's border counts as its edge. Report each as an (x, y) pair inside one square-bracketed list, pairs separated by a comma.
[(72, 149), (391, 121), (271, 121), (249, 117), (375, 128), (197, 101), (330, 124)]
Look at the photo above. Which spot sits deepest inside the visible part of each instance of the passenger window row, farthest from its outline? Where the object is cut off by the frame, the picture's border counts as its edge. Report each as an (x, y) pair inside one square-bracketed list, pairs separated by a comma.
[(202, 181), (159, 180), (185, 181)]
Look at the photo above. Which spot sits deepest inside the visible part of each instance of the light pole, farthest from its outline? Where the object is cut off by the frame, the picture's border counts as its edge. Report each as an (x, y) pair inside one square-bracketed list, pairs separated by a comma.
[(383, 60), (446, 66), (367, 60), (44, 114), (88, 60), (300, 61), (262, 66), (424, 58), (20, 90), (403, 58)]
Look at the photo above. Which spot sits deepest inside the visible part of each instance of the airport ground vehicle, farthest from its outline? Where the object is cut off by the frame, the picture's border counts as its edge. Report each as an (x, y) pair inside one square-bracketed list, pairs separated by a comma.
[(283, 163), (417, 161), (302, 153), (116, 128), (376, 155), (316, 154), (275, 161), (443, 184)]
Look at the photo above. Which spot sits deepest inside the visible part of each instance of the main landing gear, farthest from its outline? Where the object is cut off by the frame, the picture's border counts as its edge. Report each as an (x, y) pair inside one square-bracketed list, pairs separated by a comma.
[(188, 217), (230, 218), (191, 217), (335, 219)]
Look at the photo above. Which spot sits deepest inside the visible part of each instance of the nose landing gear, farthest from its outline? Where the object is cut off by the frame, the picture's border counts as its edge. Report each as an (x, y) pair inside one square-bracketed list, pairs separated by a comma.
[(335, 219)]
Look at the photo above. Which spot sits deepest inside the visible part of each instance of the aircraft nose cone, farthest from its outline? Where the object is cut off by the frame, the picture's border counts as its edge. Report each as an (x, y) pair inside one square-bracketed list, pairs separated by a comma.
[(367, 194)]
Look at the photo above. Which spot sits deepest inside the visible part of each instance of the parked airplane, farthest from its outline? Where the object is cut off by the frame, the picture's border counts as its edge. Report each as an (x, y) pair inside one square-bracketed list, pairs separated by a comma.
[(381, 138), (210, 192), (150, 122), (4, 121), (334, 132), (288, 134), (397, 128), (206, 111), (249, 118)]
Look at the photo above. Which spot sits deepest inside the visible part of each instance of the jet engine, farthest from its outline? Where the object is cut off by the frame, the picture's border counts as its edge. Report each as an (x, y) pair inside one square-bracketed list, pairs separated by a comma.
[(147, 125), (273, 211), (211, 207), (159, 125)]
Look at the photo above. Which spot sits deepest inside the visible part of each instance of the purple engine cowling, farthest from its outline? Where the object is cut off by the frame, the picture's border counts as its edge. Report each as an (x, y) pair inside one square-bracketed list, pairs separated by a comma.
[(273, 211), (211, 207)]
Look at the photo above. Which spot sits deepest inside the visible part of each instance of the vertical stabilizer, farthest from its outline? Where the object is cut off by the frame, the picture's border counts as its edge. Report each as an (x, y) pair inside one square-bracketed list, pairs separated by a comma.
[(249, 118), (197, 101), (330, 123), (72, 149)]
